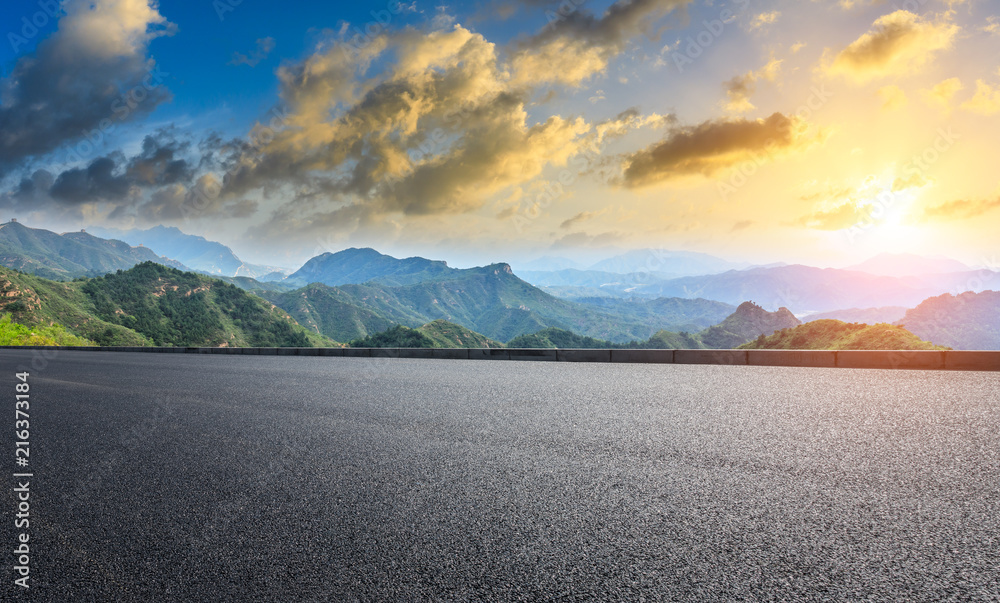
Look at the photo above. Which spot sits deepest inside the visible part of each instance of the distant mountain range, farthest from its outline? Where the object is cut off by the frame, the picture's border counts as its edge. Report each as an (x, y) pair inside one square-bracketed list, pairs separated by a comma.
[(907, 264), (871, 316), (198, 253), (356, 266), (70, 255)]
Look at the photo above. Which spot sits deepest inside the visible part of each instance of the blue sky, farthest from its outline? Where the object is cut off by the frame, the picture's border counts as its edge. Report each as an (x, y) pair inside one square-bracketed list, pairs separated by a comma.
[(823, 131)]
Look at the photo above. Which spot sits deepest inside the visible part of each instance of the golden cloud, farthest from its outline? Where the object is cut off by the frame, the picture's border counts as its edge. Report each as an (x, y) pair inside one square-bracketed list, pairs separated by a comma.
[(713, 146), (959, 210), (897, 44)]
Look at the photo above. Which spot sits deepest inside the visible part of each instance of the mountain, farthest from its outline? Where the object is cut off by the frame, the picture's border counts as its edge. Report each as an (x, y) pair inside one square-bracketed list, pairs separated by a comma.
[(661, 261), (908, 264), (558, 338), (747, 322), (871, 316), (970, 321), (151, 304), (70, 255), (807, 289), (356, 266), (829, 334), (12, 333), (490, 300), (444, 334), (546, 263), (198, 253), (669, 313), (436, 334)]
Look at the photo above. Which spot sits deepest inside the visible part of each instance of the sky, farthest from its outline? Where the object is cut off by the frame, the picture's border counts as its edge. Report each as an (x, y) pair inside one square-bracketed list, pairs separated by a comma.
[(821, 132)]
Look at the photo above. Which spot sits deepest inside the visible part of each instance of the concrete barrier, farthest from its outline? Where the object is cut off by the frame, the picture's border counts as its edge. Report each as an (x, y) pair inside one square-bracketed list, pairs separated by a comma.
[(414, 353), (965, 360), (489, 354), (532, 354), (726, 357), (583, 355), (450, 353), (800, 358), (891, 359), (643, 356)]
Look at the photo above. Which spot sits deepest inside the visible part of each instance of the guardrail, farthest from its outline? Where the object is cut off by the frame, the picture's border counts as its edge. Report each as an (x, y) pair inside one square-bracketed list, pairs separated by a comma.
[(960, 360)]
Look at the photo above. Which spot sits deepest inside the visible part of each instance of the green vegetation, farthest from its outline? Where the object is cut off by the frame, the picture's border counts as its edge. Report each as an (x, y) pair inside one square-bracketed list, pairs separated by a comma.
[(970, 321), (396, 337), (63, 257), (437, 334), (151, 304), (449, 335), (828, 334), (12, 333), (558, 338), (747, 322)]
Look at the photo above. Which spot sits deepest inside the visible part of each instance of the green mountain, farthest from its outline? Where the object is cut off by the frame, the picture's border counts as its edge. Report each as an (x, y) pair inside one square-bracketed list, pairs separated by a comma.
[(12, 333), (670, 313), (747, 322), (970, 321), (66, 256), (354, 266), (489, 300), (151, 304), (558, 338), (828, 334), (396, 337), (444, 334)]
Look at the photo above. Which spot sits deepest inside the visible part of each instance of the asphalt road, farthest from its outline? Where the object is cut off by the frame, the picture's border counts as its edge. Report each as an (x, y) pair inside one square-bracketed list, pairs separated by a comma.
[(161, 477)]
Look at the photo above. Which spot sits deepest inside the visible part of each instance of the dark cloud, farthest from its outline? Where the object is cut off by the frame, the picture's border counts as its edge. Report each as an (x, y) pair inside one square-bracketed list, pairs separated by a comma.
[(97, 182), (712, 146), (84, 79)]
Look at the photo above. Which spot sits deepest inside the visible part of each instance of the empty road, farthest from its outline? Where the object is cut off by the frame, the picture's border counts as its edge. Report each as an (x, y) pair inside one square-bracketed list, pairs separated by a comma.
[(179, 477)]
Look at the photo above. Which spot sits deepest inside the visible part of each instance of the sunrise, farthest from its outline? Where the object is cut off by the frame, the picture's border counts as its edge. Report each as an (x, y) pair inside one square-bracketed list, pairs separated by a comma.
[(280, 284)]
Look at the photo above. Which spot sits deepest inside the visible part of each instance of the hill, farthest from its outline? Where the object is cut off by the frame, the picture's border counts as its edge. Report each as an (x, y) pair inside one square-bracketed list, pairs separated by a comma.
[(12, 333), (437, 334), (70, 255), (970, 321), (355, 266), (151, 304), (871, 316), (198, 253), (489, 300), (444, 334), (836, 335), (747, 322)]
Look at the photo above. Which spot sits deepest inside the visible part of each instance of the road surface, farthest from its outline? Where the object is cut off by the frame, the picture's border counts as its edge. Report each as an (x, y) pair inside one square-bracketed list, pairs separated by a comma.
[(163, 477)]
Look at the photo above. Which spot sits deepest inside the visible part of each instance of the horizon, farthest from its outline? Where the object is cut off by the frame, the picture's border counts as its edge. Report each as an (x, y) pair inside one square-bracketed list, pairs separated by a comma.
[(735, 129)]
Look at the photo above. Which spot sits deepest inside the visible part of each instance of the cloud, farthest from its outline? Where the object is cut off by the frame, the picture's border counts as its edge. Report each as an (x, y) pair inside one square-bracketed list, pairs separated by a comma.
[(893, 97), (742, 225), (72, 83), (97, 182), (986, 100), (264, 48), (712, 146), (764, 19), (897, 44), (959, 210), (740, 88), (843, 216), (581, 218), (942, 94), (580, 45)]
